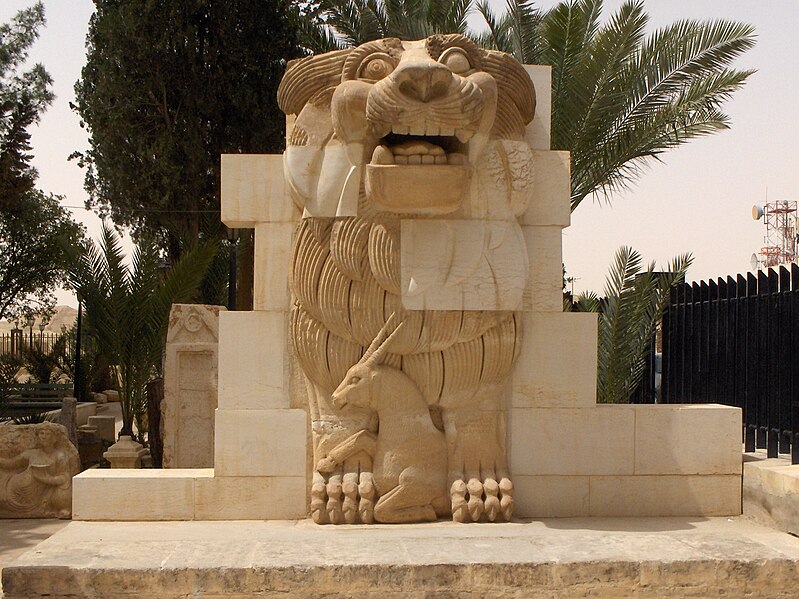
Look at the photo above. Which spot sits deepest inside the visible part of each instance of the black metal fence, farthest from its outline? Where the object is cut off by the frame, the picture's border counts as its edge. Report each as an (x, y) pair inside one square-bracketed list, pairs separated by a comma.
[(16, 340), (735, 341)]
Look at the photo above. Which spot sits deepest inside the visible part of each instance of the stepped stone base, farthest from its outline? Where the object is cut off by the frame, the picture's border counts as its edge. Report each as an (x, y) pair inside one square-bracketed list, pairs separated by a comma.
[(643, 557)]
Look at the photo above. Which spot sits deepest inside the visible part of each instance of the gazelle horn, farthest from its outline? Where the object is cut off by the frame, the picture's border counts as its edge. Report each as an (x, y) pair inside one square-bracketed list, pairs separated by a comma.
[(381, 335), (377, 354)]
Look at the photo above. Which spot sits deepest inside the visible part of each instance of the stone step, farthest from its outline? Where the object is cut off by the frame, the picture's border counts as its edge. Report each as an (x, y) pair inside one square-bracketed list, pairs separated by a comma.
[(642, 557)]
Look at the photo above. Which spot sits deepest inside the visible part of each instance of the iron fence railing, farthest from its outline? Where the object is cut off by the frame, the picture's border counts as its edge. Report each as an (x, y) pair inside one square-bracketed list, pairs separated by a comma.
[(735, 341)]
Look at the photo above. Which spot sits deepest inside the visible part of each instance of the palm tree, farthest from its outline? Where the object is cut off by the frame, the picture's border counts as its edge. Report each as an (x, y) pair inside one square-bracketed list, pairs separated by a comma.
[(127, 310), (620, 98), (628, 316), (335, 24)]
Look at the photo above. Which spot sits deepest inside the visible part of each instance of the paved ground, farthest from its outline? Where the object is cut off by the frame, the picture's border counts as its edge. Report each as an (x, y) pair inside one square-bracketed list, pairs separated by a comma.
[(642, 557), (19, 536)]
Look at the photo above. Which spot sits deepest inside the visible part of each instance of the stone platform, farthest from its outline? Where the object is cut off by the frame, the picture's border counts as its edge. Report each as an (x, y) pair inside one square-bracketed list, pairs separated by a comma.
[(622, 557)]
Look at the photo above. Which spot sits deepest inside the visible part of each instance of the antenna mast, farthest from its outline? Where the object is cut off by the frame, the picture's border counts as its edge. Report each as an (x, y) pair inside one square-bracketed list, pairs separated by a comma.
[(780, 241)]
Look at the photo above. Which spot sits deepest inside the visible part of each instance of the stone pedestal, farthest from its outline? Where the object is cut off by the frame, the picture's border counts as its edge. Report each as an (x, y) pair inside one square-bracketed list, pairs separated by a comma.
[(125, 453)]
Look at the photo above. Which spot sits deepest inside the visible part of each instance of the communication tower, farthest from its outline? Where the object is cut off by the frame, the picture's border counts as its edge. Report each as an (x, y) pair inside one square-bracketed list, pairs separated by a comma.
[(781, 241)]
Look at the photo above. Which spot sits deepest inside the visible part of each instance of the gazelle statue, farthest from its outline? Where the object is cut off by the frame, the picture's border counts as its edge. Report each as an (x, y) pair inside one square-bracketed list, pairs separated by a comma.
[(409, 454)]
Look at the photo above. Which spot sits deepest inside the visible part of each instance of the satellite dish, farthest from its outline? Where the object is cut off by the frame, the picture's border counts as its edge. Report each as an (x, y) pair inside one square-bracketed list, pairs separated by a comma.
[(754, 262), (757, 212)]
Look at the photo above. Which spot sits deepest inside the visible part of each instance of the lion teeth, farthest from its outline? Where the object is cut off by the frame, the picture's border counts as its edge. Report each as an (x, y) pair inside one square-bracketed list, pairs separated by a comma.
[(415, 159), (432, 131), (401, 129), (401, 159), (428, 159), (382, 155), (456, 158), (417, 130), (415, 146), (442, 159), (463, 135), (446, 132)]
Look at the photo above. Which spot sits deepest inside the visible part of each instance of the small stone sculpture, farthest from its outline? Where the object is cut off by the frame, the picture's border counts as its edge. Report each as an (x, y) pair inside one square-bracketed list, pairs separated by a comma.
[(37, 463), (409, 161)]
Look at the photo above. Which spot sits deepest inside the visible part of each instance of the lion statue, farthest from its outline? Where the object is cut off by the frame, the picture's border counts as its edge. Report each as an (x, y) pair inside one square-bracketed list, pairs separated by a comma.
[(409, 162)]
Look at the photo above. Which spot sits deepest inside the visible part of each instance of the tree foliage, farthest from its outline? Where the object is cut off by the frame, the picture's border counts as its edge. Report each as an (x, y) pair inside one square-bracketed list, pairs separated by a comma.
[(167, 88), (127, 309), (32, 257), (620, 97), (632, 306), (33, 226)]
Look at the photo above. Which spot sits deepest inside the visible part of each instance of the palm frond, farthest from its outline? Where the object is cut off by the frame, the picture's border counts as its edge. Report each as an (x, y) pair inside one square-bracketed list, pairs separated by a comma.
[(628, 315)]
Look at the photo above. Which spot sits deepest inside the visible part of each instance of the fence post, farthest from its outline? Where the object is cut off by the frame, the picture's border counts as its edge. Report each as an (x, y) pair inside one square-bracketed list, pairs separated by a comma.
[(794, 363)]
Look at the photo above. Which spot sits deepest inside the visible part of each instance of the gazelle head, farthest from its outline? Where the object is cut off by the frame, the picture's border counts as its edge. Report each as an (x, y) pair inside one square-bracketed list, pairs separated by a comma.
[(357, 387)]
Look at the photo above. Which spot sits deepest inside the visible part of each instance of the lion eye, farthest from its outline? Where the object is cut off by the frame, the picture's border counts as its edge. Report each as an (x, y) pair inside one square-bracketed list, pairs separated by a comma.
[(456, 60), (376, 67)]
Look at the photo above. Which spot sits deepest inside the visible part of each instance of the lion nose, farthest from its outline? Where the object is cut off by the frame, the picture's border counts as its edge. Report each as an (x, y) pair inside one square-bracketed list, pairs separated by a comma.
[(423, 82)]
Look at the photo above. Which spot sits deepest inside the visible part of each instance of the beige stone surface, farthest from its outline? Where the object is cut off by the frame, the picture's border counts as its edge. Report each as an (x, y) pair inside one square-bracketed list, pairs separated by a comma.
[(260, 442), (18, 536), (250, 498), (83, 411), (538, 131), (550, 496), (573, 441), (711, 495), (550, 200), (544, 292), (687, 439), (103, 494), (557, 362), (253, 190), (771, 491), (613, 557), (190, 386), (462, 265), (272, 259), (253, 360), (37, 463)]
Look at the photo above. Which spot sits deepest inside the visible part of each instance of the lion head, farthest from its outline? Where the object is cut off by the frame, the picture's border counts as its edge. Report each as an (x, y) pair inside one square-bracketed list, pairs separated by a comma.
[(414, 127)]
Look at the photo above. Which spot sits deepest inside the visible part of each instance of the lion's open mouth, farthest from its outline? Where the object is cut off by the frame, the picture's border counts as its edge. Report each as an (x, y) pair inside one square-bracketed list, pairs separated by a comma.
[(423, 171), (435, 148)]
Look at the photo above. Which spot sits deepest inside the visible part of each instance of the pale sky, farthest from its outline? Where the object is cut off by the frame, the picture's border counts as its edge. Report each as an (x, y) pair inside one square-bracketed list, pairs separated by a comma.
[(697, 200)]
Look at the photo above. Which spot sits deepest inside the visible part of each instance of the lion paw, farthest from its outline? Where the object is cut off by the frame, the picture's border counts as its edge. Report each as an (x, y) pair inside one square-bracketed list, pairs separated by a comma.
[(487, 499), (343, 498)]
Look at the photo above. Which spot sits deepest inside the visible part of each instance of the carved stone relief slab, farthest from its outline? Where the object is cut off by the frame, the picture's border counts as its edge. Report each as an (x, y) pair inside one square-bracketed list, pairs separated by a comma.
[(190, 386), (37, 463), (410, 164), (462, 265)]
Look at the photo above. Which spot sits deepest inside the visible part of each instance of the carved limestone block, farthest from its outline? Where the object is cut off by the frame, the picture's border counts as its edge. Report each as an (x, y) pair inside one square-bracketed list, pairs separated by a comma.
[(37, 463), (190, 386), (410, 163), (462, 265)]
